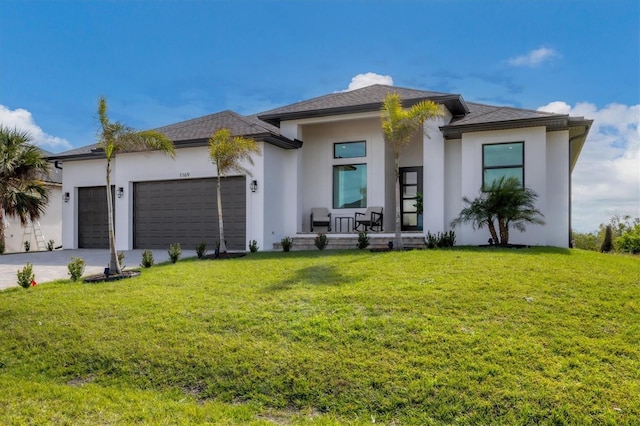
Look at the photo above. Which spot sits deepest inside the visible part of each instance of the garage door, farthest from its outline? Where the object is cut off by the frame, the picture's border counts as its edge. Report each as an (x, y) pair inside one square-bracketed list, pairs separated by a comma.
[(185, 212), (93, 223)]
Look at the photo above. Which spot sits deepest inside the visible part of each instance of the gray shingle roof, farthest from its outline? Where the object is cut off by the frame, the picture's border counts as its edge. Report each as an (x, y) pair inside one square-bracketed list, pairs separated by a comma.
[(480, 113), (365, 99), (204, 127)]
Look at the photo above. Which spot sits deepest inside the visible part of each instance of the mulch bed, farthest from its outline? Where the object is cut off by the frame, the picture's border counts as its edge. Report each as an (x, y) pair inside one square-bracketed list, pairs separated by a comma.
[(228, 255), (513, 246), (100, 278)]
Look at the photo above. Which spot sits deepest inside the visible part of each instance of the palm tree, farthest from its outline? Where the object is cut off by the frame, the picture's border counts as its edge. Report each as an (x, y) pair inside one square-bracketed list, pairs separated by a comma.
[(22, 193), (115, 137), (506, 201), (399, 126), (228, 152)]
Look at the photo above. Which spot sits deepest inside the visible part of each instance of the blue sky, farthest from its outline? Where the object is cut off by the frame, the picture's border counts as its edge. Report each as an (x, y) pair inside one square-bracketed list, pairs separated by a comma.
[(160, 62)]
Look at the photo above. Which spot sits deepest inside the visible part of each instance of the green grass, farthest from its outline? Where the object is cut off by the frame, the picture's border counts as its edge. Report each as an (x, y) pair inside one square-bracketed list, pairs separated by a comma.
[(471, 336)]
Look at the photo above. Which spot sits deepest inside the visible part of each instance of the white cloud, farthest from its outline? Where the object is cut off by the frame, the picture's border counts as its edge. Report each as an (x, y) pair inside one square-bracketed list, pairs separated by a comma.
[(533, 58), (368, 79), (606, 180), (23, 120)]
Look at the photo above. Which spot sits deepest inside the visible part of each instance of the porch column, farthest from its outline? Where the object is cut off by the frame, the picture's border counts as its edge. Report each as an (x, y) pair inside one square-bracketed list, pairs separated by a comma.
[(433, 175)]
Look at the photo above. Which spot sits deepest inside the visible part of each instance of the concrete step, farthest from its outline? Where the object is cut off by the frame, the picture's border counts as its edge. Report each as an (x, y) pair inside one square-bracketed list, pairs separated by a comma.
[(343, 242)]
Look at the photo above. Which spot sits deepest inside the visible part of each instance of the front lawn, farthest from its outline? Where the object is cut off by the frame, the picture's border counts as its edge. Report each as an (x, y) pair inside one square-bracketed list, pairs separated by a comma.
[(464, 335)]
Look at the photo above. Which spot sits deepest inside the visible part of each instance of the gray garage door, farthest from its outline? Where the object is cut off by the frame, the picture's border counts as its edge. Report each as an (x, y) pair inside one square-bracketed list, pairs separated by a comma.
[(93, 224), (185, 212)]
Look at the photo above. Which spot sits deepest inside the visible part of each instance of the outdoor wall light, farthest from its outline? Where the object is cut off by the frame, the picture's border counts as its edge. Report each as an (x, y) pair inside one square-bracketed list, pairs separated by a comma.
[(254, 185), (120, 192), (66, 197)]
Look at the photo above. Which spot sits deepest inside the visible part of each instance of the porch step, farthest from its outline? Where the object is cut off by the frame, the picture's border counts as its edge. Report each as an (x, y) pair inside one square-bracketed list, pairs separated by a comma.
[(344, 242)]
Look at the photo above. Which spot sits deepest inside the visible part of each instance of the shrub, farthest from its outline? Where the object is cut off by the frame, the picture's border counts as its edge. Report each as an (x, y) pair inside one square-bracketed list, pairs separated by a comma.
[(27, 246), (253, 246), (321, 241), (147, 259), (121, 259), (1, 246), (201, 249), (76, 268), (629, 242), (363, 240), (26, 278), (440, 239), (607, 244), (175, 251), (50, 245), (286, 242)]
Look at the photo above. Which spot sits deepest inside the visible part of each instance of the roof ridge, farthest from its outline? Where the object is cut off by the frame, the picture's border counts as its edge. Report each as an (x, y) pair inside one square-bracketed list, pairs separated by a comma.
[(502, 107)]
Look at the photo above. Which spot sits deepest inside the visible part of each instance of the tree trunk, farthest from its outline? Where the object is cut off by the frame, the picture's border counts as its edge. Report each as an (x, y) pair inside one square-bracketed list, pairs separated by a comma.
[(223, 245), (2, 242), (494, 234), (114, 264), (397, 243), (504, 232)]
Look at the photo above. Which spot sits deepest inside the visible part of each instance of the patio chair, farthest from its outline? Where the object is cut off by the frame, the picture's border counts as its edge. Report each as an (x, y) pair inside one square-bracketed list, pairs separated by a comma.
[(320, 216), (369, 220)]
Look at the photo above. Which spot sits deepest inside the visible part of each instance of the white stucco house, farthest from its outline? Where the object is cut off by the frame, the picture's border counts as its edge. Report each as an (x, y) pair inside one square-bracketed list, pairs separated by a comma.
[(325, 152)]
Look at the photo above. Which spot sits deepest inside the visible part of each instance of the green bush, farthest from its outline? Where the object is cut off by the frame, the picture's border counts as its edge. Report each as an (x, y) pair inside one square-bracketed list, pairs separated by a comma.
[(201, 249), (363, 240), (50, 245), (26, 278), (440, 239), (76, 268), (321, 241), (629, 242), (175, 251), (147, 259), (286, 242), (253, 246), (27, 246), (1, 247), (121, 259)]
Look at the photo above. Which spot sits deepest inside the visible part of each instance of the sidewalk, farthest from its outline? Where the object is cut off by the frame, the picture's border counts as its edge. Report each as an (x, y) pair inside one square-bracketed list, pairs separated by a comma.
[(52, 265)]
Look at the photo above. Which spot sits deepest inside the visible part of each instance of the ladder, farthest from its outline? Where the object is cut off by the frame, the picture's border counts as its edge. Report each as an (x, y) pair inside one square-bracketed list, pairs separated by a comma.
[(35, 231)]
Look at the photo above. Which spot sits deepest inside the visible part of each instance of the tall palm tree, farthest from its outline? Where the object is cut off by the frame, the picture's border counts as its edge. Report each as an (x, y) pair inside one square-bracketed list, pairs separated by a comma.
[(399, 126), (115, 137), (504, 201), (22, 192), (228, 153)]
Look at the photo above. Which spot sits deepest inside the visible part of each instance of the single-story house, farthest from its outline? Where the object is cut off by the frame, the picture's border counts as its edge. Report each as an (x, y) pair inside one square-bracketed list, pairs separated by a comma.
[(325, 152), (47, 228)]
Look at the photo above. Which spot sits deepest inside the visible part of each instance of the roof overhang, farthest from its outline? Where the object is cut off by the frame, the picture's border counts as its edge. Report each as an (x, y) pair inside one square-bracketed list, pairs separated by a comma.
[(553, 123)]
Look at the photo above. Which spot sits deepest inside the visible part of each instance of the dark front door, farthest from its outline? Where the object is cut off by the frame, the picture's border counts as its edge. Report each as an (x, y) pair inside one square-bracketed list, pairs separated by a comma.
[(410, 187)]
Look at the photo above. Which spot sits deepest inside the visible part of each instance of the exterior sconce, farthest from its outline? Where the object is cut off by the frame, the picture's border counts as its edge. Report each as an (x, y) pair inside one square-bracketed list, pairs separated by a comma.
[(66, 197), (120, 192), (253, 186)]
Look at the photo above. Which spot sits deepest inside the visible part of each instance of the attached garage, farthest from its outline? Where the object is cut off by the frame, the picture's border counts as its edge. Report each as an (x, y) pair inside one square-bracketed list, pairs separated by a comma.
[(93, 222), (185, 211)]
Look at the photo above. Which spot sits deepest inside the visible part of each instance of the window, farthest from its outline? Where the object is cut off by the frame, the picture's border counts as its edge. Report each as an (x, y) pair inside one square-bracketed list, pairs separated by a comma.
[(349, 186), (349, 149), (502, 160)]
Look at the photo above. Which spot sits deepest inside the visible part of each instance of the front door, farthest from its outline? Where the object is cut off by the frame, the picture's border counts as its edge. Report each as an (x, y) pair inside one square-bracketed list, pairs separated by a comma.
[(410, 187)]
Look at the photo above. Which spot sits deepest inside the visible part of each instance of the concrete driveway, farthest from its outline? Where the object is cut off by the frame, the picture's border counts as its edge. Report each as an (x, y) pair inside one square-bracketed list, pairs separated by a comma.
[(52, 265)]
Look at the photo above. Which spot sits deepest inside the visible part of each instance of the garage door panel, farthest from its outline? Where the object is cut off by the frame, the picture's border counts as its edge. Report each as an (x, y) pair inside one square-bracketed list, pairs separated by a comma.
[(93, 223), (185, 212)]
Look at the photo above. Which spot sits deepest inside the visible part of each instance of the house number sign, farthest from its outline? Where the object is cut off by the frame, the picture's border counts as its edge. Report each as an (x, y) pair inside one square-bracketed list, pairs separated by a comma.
[(185, 174)]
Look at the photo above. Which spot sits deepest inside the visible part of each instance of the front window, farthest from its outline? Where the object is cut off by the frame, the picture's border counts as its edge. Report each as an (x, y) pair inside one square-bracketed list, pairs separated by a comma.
[(349, 186), (502, 160), (349, 149)]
